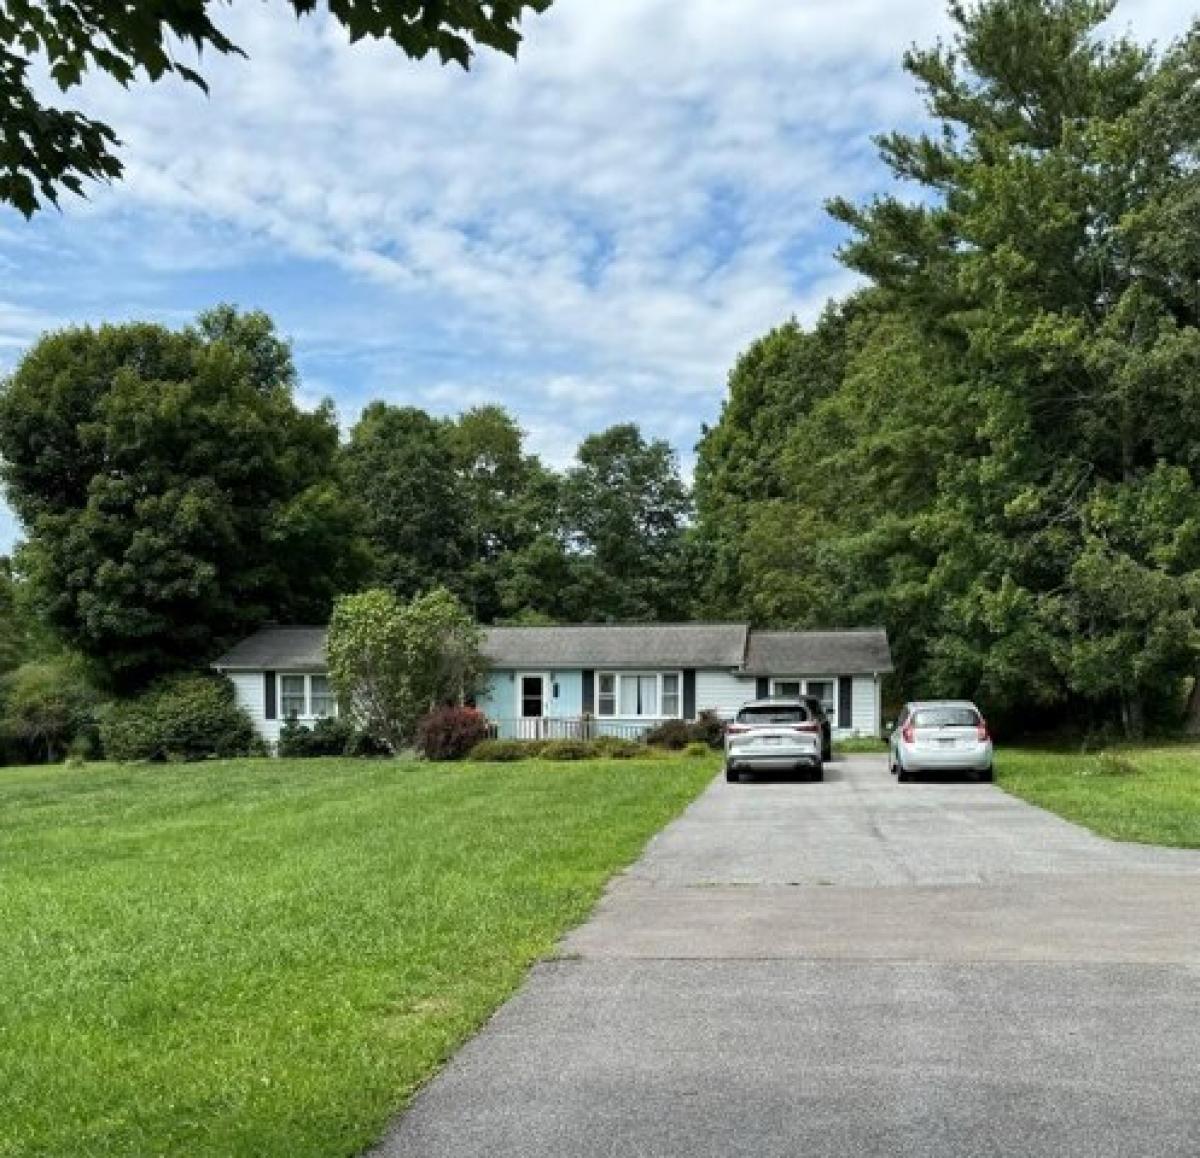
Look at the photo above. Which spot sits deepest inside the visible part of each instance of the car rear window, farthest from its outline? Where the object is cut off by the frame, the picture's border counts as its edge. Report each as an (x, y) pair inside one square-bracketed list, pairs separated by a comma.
[(775, 714), (946, 718)]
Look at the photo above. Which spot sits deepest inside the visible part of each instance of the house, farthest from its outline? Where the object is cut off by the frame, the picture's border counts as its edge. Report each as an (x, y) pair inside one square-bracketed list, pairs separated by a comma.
[(620, 678)]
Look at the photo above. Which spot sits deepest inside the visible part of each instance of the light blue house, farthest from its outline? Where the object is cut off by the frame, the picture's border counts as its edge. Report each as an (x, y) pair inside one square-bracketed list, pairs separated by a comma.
[(548, 682)]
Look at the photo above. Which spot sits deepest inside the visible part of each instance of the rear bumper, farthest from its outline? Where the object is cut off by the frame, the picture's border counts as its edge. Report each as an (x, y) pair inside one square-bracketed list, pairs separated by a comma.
[(785, 758), (921, 759)]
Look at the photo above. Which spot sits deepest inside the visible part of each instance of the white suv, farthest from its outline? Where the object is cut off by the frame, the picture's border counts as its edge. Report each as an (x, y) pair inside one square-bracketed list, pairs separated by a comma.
[(768, 735)]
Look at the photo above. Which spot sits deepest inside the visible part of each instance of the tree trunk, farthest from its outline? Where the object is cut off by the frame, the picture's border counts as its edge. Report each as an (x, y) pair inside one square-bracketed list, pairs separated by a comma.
[(1191, 723), (1133, 716)]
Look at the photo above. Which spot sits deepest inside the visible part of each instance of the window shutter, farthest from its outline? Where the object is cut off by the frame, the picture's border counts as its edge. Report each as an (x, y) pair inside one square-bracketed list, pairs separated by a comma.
[(689, 694), (270, 711), (845, 712), (589, 691), (764, 688)]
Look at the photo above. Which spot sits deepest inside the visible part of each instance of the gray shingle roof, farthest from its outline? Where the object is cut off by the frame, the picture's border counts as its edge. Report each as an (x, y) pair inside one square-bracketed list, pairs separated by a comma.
[(858, 652), (627, 645), (616, 645), (278, 649)]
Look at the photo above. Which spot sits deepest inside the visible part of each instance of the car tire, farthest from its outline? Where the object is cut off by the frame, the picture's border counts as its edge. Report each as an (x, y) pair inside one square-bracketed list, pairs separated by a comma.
[(732, 776), (987, 775), (818, 773), (827, 752), (903, 775)]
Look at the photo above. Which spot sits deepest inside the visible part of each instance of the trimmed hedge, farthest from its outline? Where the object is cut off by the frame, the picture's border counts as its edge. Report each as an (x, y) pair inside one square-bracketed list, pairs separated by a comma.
[(505, 751), (185, 717), (617, 748), (331, 736), (571, 750)]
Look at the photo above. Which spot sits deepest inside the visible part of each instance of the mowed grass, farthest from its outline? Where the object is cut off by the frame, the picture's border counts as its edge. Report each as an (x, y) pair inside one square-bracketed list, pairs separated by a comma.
[(261, 958), (1155, 801)]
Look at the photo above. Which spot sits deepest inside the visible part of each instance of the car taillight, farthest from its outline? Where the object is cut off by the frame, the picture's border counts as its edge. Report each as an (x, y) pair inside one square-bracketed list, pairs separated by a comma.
[(736, 729), (981, 732), (810, 728), (907, 734)]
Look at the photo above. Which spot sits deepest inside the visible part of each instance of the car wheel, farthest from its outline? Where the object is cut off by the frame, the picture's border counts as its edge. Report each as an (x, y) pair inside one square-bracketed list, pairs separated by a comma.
[(987, 775), (818, 773), (827, 752), (903, 775), (731, 776)]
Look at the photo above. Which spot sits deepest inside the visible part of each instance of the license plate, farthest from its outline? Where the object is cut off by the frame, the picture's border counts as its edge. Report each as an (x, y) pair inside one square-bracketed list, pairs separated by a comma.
[(948, 742), (772, 739)]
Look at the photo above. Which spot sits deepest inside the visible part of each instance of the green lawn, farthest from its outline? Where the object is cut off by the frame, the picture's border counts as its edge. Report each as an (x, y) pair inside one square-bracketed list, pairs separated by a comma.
[(1157, 801), (265, 958)]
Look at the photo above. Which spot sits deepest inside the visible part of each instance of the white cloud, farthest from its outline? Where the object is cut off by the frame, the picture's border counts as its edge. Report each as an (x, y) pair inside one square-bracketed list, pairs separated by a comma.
[(588, 235)]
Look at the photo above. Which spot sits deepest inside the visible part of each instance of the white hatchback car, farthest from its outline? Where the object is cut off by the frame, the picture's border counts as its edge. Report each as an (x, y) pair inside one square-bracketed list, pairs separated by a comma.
[(940, 736)]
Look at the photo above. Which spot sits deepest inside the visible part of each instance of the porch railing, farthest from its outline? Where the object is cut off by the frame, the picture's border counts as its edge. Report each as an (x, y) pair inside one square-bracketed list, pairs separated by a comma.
[(570, 728)]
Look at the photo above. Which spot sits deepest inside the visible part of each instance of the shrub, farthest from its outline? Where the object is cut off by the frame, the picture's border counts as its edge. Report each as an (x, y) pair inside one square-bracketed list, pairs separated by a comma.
[(697, 749), (363, 746), (48, 707), (708, 729), (617, 748), (451, 733), (673, 734), (187, 717), (331, 736), (503, 751), (570, 750)]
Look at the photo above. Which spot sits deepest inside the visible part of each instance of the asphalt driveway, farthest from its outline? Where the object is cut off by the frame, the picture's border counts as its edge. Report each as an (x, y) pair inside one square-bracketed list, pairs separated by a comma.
[(851, 968)]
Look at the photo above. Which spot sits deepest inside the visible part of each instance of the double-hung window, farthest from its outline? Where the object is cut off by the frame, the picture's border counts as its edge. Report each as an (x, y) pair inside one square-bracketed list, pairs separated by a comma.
[(824, 690), (321, 700), (639, 695), (671, 705), (606, 694), (293, 697), (306, 697)]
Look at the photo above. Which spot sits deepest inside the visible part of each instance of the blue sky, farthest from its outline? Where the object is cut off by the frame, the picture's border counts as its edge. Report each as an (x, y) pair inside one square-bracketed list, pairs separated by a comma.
[(587, 236)]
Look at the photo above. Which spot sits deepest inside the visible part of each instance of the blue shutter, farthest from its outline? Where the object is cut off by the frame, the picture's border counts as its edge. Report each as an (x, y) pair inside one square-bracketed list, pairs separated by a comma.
[(689, 694), (270, 711), (763, 689)]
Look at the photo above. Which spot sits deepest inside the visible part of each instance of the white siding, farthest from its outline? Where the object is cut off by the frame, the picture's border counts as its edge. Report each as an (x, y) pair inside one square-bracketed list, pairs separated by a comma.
[(723, 692), (865, 706), (251, 695)]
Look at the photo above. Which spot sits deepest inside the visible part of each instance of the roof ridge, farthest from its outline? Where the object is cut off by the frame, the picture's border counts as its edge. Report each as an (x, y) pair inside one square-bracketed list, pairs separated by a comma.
[(623, 623)]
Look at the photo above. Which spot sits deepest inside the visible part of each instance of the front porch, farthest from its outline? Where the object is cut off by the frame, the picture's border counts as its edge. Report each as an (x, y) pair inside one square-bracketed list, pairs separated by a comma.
[(568, 728)]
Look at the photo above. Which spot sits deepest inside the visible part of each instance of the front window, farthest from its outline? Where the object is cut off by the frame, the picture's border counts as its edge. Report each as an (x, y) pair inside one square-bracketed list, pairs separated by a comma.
[(823, 690), (306, 696), (322, 700), (670, 694), (606, 694), (639, 695), (292, 700)]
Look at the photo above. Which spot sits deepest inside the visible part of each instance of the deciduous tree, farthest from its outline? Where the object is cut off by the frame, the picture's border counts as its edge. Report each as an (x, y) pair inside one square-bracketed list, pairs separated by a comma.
[(45, 149), (173, 498)]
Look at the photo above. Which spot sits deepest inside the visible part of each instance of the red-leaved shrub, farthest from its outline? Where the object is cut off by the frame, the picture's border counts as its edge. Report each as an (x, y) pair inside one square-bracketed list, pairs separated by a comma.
[(450, 733)]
